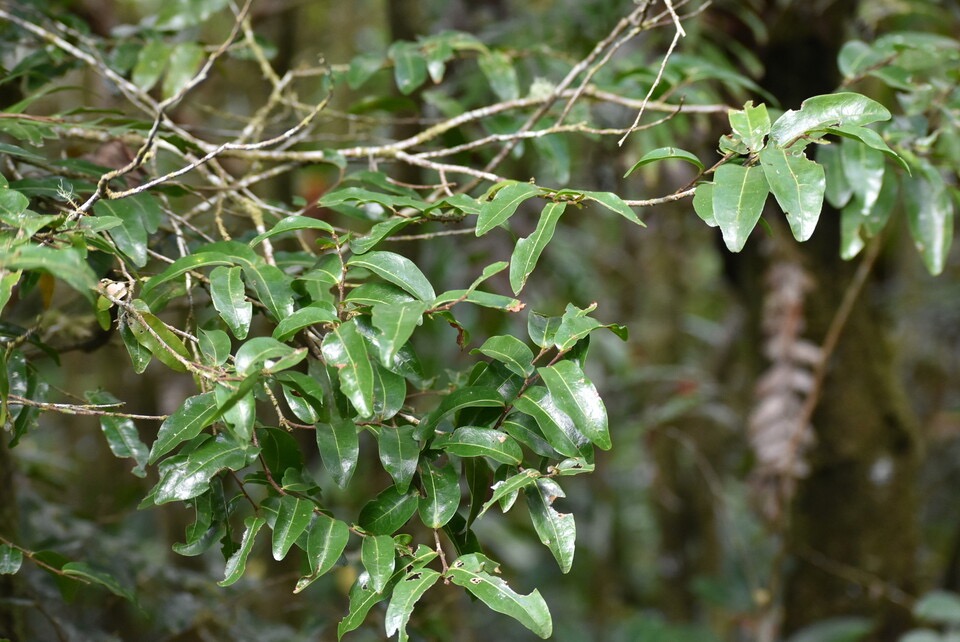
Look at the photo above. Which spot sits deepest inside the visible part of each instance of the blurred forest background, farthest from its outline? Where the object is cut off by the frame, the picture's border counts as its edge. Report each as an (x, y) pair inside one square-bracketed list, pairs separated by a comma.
[(681, 537)]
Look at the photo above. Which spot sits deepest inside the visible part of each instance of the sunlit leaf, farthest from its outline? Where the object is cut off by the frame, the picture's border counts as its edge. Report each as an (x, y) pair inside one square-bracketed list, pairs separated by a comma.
[(819, 112), (576, 396)]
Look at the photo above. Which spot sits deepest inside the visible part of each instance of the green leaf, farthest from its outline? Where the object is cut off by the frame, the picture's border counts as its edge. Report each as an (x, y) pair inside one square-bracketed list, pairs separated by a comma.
[(183, 265), (575, 324), (839, 629), (184, 424), (819, 112), (339, 448), (557, 531), (186, 476), (379, 232), (229, 299), (615, 204), (405, 595), (665, 153), (362, 599), (272, 286), (557, 427), (96, 576), (527, 251), (509, 487), (139, 216), (362, 67), (472, 441), (237, 563), (703, 203), (398, 270), (798, 184), (499, 71), (389, 511), (930, 214), (871, 139), (939, 607), (293, 517), (738, 196), (552, 154), (441, 487), (215, 346), (511, 351), (121, 433), (326, 542), (525, 430), (150, 64), (751, 124), (473, 572), (182, 66), (409, 66), (267, 352), (159, 339), (378, 555), (838, 190), (65, 263), (399, 453), (321, 312), (504, 203), (542, 329), (10, 560), (396, 324), (345, 349), (466, 397), (577, 397), (291, 224), (139, 355)]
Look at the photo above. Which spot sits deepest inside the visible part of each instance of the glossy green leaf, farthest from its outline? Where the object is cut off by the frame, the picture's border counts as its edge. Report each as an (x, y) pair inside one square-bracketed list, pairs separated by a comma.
[(503, 205), (751, 124), (184, 424), (207, 528), (66, 264), (466, 397), (484, 299), (378, 555), (399, 453), (474, 573), (510, 487), (389, 392), (871, 139), (528, 250), (183, 265), (616, 204), (362, 599), (526, 430), (576, 396), (95, 576), (930, 215), (345, 349), (557, 531), (541, 328), (317, 313), (441, 487), (864, 169), (293, 517), (214, 346), (229, 299), (472, 441), (151, 63), (272, 287), (941, 607), (378, 294), (237, 564), (10, 560), (819, 112), (131, 235), (396, 324), (557, 427), (303, 394), (159, 339), (703, 203), (268, 353), (140, 356), (798, 184), (838, 190), (339, 448), (575, 324), (409, 66), (738, 197), (511, 351), (121, 433), (379, 232), (398, 270), (389, 511), (187, 476), (182, 66), (405, 595), (497, 67), (326, 542), (665, 153), (292, 224)]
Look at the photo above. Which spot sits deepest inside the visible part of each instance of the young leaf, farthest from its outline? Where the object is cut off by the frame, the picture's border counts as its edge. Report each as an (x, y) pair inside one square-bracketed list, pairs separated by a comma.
[(511, 351), (194, 415), (577, 397), (441, 487), (339, 449), (504, 203), (471, 441), (121, 433), (345, 349), (388, 511), (751, 124), (472, 572), (798, 184), (399, 453), (293, 517), (819, 112), (237, 563), (229, 299), (326, 541), (665, 153), (398, 270), (527, 251), (378, 554), (556, 530), (405, 595), (738, 196)]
